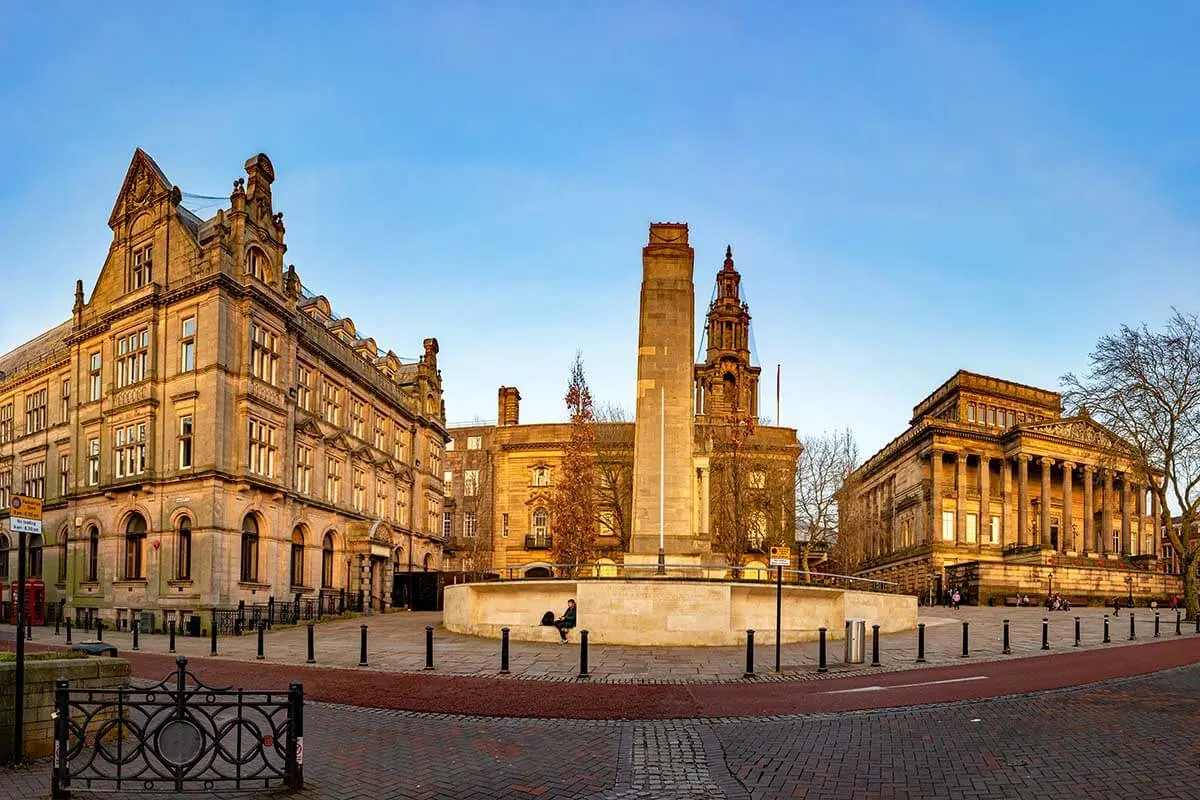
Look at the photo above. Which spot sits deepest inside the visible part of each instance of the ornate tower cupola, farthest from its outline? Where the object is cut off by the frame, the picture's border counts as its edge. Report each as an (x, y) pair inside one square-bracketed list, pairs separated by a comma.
[(727, 383)]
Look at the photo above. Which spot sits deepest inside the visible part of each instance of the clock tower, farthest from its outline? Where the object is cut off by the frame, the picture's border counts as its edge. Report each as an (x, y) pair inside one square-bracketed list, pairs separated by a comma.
[(727, 383)]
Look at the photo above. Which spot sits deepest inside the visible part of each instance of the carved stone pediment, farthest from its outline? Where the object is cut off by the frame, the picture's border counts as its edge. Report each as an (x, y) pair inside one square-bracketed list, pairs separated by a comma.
[(1080, 430), (339, 441), (308, 427)]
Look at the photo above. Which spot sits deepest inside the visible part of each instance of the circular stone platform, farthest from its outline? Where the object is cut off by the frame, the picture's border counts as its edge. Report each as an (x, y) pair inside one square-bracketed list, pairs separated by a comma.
[(668, 612)]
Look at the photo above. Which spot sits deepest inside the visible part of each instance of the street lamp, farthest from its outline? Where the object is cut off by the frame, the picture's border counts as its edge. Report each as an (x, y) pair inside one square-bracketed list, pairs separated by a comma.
[(1129, 583)]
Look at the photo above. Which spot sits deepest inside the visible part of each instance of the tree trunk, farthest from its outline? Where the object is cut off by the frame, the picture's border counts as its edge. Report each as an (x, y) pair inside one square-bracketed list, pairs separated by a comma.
[(1188, 564)]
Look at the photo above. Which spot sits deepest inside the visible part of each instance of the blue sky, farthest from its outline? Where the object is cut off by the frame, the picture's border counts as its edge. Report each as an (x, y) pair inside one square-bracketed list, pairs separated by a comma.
[(909, 188)]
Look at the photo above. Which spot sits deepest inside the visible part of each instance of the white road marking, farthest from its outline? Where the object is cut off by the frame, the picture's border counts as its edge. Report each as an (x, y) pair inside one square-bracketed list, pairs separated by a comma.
[(908, 685)]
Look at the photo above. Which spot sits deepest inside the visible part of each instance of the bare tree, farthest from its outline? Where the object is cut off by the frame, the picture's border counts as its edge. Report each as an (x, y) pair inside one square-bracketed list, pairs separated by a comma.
[(853, 527), (1145, 387), (824, 465), (729, 489), (614, 467), (575, 491), (476, 553)]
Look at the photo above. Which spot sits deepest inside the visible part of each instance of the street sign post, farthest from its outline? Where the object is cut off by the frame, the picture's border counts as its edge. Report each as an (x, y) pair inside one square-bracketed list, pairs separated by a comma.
[(25, 517), (780, 557)]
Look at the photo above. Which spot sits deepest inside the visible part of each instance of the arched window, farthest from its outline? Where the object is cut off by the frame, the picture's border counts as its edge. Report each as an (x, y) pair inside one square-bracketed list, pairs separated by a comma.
[(135, 543), (428, 561), (327, 561), (183, 549), (93, 553), (541, 523), (256, 263), (396, 559), (297, 557), (62, 556), (3, 556), (250, 549), (35, 556)]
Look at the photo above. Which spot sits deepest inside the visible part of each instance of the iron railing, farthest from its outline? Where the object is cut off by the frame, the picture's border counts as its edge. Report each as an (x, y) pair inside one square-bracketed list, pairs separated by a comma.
[(601, 570)]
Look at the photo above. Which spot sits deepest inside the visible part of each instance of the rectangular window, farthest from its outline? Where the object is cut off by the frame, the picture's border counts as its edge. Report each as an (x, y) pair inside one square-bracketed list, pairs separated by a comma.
[(504, 526), (93, 452), (947, 526), (994, 530), (401, 503), (130, 450), (333, 480), (381, 424), (381, 498), (970, 412), (1010, 419), (35, 480), (1116, 541), (447, 479), (264, 353), (5, 491), (187, 345), (94, 362), (432, 507), (304, 382), (64, 408), (133, 357), (447, 524), (64, 474), (398, 442), (358, 416), (972, 528), (474, 442), (331, 402), (991, 416), (471, 483), (143, 267), (304, 457), (6, 423), (360, 490), (35, 411), (185, 442), (469, 524), (262, 448), (435, 457)]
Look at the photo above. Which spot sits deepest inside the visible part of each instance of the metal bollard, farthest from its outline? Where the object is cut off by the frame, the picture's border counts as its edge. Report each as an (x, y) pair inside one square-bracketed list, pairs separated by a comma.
[(1106, 639), (99, 630), (428, 647), (821, 653), (1178, 620), (966, 651), (874, 645), (362, 646), (749, 673), (504, 651), (920, 642), (57, 623), (583, 654), (1077, 631), (1155, 624), (213, 634), (1045, 634), (171, 640), (68, 630), (312, 656), (1007, 650), (28, 627), (136, 630), (1132, 633), (262, 626), (1197, 623)]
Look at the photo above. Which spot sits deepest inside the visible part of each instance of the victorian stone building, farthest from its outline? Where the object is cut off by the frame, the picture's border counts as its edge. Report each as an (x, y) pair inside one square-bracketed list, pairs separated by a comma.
[(993, 491), (205, 431), (723, 469)]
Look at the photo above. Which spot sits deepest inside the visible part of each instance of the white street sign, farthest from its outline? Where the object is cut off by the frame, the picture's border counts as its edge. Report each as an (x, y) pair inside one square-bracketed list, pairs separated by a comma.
[(21, 525)]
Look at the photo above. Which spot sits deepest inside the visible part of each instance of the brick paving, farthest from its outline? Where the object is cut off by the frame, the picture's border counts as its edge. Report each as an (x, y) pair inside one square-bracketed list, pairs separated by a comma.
[(1129, 738)]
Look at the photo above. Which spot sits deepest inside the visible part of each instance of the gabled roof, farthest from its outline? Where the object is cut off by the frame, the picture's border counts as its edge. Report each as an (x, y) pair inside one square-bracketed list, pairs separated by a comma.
[(34, 350), (140, 165), (1081, 429)]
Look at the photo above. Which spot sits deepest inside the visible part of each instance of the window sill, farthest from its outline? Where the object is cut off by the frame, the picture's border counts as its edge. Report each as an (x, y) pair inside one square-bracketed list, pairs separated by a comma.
[(300, 589), (253, 585), (129, 582), (180, 582)]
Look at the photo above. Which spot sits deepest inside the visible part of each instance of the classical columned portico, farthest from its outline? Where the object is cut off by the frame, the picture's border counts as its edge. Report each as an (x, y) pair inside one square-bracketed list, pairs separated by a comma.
[(1066, 533), (1106, 521), (1089, 533), (960, 498), (1006, 523), (1125, 514), (1023, 498), (1044, 524), (985, 509), (935, 498)]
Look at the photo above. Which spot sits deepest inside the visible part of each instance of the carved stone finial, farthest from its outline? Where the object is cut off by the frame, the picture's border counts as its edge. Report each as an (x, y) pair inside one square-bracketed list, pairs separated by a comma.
[(78, 307), (728, 258), (1084, 412)]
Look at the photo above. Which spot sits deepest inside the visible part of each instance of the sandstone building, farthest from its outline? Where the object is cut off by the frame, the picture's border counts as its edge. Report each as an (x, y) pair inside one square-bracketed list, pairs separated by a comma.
[(205, 431), (992, 490), (724, 476)]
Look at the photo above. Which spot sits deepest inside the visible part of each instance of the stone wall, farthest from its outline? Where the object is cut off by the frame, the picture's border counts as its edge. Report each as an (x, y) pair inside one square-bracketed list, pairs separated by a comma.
[(996, 581), (83, 673)]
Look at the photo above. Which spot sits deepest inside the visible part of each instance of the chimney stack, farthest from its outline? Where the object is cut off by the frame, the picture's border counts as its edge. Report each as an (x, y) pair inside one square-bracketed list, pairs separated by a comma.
[(509, 406)]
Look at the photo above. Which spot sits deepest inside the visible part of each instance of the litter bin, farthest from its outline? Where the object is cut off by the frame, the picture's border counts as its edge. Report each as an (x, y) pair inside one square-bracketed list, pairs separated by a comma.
[(856, 640)]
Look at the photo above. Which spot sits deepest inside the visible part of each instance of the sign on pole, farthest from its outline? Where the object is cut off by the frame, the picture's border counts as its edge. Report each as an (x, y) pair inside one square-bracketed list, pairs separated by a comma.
[(26, 514), (781, 556)]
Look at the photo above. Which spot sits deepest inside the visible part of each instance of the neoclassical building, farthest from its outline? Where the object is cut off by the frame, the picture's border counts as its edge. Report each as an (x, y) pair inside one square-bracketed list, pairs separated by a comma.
[(204, 430), (500, 478), (992, 490)]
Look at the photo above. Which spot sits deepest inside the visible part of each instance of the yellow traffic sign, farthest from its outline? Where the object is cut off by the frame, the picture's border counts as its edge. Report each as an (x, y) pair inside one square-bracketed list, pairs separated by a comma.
[(25, 507), (781, 556)]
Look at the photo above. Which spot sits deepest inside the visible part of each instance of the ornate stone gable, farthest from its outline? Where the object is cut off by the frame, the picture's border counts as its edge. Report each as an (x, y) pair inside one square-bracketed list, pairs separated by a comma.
[(1079, 430), (144, 184)]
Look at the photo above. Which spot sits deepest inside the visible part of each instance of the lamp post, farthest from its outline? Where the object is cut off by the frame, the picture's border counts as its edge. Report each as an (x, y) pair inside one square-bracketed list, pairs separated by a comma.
[(1129, 583)]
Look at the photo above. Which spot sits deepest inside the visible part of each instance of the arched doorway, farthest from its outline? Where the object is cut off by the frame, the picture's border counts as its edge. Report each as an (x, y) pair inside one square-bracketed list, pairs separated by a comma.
[(538, 572)]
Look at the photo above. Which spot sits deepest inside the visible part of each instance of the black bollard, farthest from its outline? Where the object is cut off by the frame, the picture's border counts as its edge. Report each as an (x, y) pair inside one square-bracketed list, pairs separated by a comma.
[(874, 645), (212, 635), (1007, 650), (1077, 631), (99, 630), (583, 644), (362, 645), (504, 651), (1155, 624), (1045, 634), (28, 627), (136, 630), (749, 653), (68, 630), (821, 651), (1178, 620), (1132, 631), (1106, 639), (428, 647), (171, 640), (920, 642), (57, 623), (262, 626), (311, 654), (966, 651), (1198, 623)]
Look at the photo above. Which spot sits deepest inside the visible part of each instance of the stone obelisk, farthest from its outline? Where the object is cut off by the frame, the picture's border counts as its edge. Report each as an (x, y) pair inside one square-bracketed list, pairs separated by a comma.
[(664, 427)]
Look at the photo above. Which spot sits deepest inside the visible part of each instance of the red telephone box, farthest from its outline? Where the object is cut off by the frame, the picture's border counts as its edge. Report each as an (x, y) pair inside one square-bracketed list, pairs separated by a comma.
[(35, 602)]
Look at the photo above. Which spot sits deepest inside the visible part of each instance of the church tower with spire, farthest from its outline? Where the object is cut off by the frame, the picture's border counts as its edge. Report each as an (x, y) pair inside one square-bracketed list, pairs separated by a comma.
[(727, 383)]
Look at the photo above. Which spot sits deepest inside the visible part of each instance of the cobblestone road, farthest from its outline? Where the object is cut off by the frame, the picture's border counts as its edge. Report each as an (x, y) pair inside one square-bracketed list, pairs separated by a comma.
[(1132, 738)]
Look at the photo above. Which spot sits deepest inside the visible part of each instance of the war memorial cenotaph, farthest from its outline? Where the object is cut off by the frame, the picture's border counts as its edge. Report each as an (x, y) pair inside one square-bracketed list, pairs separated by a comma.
[(674, 588)]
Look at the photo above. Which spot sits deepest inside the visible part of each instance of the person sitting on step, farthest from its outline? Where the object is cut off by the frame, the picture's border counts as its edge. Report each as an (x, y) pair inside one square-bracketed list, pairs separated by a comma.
[(567, 621)]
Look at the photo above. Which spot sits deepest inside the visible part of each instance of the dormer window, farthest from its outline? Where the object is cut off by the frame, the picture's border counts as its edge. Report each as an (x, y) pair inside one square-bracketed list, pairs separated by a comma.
[(256, 263), (143, 262)]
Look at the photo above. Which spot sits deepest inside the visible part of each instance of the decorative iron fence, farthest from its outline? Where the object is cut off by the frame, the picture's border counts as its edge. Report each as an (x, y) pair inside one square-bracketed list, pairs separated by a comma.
[(177, 735)]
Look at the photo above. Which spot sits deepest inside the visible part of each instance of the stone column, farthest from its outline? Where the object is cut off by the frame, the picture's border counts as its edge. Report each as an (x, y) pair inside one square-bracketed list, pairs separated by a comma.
[(985, 506), (935, 500), (1044, 523), (1155, 526), (960, 498), (1023, 498), (1006, 523), (1089, 533), (1106, 509), (1066, 536), (1125, 514)]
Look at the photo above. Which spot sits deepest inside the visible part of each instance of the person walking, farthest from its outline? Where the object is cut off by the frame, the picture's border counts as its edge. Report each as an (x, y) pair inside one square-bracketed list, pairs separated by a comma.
[(955, 598)]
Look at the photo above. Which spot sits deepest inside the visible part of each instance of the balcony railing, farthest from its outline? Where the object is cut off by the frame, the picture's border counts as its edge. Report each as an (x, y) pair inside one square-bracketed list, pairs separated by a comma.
[(535, 541)]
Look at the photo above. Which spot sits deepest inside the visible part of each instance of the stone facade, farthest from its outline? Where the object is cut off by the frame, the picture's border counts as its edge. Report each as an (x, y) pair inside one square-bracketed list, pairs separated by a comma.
[(990, 471), (206, 431)]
